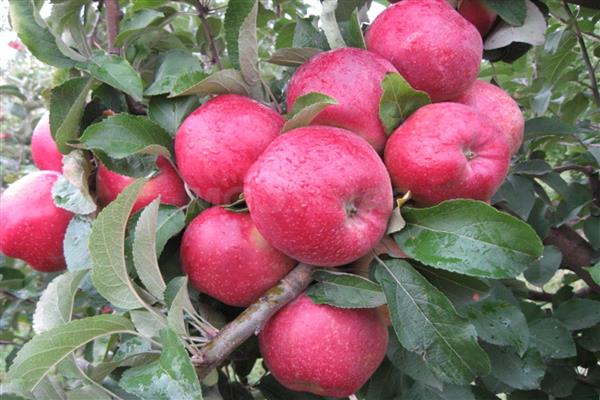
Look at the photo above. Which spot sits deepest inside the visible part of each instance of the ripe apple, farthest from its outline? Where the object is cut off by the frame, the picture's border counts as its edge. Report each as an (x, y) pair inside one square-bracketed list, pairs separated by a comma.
[(352, 77), (446, 151), (44, 151), (479, 14), (322, 349), (217, 143), (432, 46), (227, 258), (495, 103), (32, 228), (320, 194), (166, 184)]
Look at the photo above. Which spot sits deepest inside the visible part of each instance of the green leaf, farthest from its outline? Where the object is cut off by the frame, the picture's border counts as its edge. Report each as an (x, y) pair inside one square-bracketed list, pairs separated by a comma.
[(67, 104), (116, 72), (552, 338), (531, 31), (398, 101), (411, 364), (12, 90), (123, 135), (88, 392), (170, 377), (175, 319), (144, 251), (345, 290), (591, 228), (535, 167), (512, 11), (39, 40), (292, 57), (174, 63), (306, 108), (546, 126), (460, 289), (595, 272), (240, 35), (42, 353), (146, 323), (450, 392), (221, 82), (544, 269), (171, 221), (65, 195), (137, 23), (500, 323), (135, 166), (352, 32), (11, 278), (524, 373), (306, 35), (590, 338), (55, 305), (169, 113), (578, 313), (426, 322), (76, 243), (469, 237), (107, 249)]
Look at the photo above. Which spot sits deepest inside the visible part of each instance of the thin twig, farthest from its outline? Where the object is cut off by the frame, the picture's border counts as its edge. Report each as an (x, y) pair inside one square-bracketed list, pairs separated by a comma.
[(251, 321), (113, 16), (92, 35), (202, 13), (584, 52)]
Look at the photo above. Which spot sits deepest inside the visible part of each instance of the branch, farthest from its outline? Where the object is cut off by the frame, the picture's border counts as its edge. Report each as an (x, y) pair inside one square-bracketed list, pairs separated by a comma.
[(202, 13), (113, 16), (577, 253), (584, 52), (251, 321)]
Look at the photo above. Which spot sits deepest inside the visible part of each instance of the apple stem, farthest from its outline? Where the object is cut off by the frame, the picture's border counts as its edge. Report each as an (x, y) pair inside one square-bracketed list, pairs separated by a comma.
[(251, 321)]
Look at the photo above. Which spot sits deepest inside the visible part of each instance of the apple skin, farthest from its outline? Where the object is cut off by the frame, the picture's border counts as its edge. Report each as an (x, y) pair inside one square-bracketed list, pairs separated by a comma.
[(352, 77), (166, 184), (227, 258), (432, 46), (32, 228), (44, 152), (322, 349), (219, 141), (492, 101), (447, 151), (320, 194), (479, 14)]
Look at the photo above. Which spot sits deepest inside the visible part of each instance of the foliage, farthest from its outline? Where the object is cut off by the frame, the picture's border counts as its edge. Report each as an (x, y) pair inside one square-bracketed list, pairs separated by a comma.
[(490, 299)]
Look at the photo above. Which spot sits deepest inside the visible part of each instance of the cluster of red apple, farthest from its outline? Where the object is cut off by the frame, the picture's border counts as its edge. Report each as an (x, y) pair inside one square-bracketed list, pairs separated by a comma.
[(319, 194)]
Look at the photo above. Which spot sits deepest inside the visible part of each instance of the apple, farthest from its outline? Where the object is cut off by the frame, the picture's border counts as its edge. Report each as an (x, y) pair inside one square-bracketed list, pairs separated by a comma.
[(352, 77), (166, 184), (32, 227), (446, 151), (320, 194), (432, 46), (226, 257), (322, 349), (217, 143), (495, 103), (479, 14), (44, 151)]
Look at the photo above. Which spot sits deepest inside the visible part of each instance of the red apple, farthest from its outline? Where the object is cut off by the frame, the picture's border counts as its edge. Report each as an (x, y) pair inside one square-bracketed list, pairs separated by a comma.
[(218, 142), (166, 184), (227, 258), (320, 194), (44, 151), (322, 349), (352, 77), (32, 228), (432, 46), (479, 14), (495, 103), (446, 151)]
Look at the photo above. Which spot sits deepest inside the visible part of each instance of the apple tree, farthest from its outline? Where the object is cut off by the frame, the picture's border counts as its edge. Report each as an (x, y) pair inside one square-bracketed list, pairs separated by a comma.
[(293, 199)]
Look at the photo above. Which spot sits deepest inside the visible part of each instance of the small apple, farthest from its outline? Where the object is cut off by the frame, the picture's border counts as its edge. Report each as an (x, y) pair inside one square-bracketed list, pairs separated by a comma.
[(44, 151), (227, 258), (446, 151), (479, 14), (166, 184), (320, 194), (32, 228), (322, 349), (352, 77), (432, 46), (217, 143), (495, 103)]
